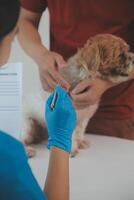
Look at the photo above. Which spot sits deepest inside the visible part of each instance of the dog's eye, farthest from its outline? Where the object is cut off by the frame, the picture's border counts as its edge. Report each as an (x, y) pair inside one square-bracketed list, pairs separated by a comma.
[(123, 74), (118, 72), (115, 71)]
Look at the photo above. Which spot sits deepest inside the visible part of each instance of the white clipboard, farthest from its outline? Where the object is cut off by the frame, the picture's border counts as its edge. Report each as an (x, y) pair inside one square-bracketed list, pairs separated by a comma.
[(11, 99)]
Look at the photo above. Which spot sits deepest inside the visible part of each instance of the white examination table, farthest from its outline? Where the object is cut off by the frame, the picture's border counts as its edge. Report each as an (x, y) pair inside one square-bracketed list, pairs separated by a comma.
[(105, 171)]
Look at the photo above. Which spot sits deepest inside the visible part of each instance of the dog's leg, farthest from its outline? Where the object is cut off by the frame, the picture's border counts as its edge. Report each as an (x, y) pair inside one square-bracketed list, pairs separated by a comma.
[(82, 142), (83, 117), (79, 141), (34, 134), (28, 137), (75, 146)]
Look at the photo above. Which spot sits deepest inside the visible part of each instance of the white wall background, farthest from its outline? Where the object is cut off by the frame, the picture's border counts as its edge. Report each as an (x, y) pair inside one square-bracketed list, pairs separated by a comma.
[(30, 72)]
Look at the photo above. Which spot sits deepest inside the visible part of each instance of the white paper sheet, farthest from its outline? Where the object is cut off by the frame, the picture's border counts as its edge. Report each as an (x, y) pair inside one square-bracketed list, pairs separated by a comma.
[(11, 99)]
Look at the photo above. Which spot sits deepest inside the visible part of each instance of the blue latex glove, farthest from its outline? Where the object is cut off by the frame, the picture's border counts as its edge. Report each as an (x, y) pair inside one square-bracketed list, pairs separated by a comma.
[(60, 121), (16, 179)]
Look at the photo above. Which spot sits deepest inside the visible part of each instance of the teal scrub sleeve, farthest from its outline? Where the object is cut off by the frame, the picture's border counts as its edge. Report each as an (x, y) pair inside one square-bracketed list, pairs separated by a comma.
[(16, 178)]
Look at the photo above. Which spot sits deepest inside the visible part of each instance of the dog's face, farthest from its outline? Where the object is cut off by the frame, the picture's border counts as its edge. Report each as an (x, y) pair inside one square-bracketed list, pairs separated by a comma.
[(105, 56), (116, 62), (121, 71)]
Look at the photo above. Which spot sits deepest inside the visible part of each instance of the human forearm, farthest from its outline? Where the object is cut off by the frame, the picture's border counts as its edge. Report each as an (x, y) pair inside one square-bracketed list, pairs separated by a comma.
[(47, 61), (57, 182), (31, 43), (61, 122)]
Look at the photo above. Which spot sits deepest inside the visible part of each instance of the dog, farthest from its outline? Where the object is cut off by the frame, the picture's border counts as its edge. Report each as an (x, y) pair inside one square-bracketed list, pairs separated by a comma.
[(104, 56)]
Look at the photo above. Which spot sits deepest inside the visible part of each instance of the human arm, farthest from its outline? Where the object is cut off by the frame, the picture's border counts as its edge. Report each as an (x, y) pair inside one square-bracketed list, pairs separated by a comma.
[(57, 181), (47, 61), (61, 122), (89, 91)]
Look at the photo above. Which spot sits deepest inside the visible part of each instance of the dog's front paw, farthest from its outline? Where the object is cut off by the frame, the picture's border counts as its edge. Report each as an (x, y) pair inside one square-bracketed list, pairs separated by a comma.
[(31, 152), (74, 153), (84, 144), (75, 148)]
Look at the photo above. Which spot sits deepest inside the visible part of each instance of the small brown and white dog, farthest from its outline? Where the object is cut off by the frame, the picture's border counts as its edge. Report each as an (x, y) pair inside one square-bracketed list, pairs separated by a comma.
[(105, 56)]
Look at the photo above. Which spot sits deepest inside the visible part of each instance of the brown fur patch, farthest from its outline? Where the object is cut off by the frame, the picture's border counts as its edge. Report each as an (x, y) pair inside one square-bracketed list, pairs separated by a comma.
[(37, 134)]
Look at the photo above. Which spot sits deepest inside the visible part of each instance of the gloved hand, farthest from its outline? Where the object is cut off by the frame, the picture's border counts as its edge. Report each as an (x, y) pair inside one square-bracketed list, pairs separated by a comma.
[(60, 121)]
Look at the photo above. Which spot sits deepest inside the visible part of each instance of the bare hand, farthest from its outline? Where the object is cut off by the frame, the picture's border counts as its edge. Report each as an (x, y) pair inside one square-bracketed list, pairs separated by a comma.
[(89, 92), (49, 65)]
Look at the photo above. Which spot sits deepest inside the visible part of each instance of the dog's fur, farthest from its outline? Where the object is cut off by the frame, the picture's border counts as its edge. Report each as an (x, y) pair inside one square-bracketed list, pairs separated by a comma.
[(105, 56)]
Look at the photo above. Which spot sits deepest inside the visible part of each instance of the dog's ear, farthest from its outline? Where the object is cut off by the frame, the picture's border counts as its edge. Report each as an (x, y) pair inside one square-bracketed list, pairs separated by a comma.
[(90, 56), (106, 55), (94, 57)]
